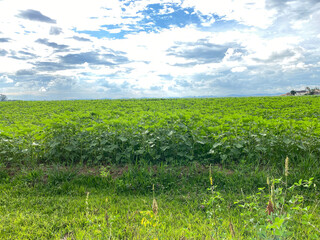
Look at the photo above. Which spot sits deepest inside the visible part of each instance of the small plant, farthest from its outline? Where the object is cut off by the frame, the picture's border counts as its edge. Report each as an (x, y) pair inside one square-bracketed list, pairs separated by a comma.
[(33, 177), (280, 213), (213, 205), (105, 172), (149, 219)]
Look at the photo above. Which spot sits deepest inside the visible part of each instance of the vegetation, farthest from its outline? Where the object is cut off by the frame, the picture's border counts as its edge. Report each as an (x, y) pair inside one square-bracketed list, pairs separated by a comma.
[(293, 92), (224, 168), (312, 91), (3, 98), (177, 131)]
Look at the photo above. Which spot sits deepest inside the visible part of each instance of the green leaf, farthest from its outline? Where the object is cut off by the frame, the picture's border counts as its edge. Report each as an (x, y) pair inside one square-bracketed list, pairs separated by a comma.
[(216, 145), (123, 139)]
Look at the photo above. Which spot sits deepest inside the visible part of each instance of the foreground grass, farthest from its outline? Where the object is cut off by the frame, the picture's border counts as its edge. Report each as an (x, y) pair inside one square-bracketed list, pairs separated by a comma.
[(158, 202)]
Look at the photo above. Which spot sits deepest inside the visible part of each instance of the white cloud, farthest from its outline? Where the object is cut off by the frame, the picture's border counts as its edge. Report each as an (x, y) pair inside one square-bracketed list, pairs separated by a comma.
[(248, 12), (5, 79), (42, 89), (300, 24), (238, 69), (206, 23), (296, 66), (10, 65), (71, 14)]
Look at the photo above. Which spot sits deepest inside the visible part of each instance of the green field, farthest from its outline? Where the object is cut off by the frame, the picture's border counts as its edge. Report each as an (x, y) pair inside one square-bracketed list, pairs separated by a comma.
[(93, 169)]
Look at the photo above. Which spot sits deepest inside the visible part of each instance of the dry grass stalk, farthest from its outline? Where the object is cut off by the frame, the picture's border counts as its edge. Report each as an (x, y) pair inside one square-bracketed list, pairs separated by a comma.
[(211, 180), (154, 203), (286, 167), (232, 230), (106, 217), (270, 208), (68, 235), (155, 206), (272, 193), (87, 204), (210, 176)]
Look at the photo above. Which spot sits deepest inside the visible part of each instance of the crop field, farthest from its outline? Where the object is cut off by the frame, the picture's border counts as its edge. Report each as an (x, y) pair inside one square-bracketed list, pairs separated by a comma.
[(216, 168), (225, 130)]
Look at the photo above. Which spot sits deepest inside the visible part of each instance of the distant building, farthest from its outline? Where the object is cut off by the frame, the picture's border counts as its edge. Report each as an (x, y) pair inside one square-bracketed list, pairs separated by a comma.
[(308, 91), (302, 92)]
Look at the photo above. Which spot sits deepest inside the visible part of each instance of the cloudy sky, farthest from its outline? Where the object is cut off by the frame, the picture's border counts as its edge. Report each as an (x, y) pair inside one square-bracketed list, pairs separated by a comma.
[(77, 49)]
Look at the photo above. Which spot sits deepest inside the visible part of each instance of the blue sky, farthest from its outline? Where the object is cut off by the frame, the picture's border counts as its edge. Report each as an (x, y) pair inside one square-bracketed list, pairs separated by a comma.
[(157, 48)]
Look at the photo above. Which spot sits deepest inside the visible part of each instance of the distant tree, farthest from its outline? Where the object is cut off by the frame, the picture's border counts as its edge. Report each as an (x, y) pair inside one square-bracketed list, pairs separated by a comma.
[(312, 91), (308, 89), (3, 98), (293, 92)]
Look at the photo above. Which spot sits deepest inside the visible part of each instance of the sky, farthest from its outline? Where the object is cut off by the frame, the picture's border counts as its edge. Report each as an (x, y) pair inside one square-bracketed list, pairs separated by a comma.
[(77, 49)]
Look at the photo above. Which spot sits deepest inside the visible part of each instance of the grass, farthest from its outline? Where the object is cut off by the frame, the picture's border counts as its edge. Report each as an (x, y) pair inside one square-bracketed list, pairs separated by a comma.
[(117, 202)]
